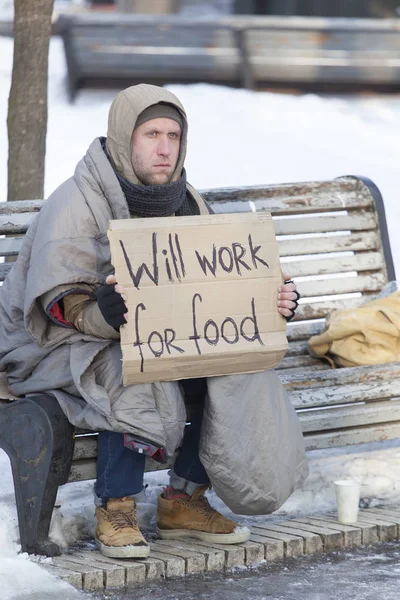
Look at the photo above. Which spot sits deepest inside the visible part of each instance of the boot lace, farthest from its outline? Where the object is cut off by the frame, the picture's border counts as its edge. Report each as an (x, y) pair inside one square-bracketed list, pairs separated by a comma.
[(200, 505), (121, 520)]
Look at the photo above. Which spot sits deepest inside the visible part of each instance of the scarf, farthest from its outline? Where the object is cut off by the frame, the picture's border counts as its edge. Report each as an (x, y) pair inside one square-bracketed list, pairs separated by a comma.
[(158, 200)]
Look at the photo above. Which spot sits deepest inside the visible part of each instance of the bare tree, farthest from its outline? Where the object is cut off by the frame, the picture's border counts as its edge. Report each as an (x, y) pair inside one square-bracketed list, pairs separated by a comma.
[(27, 104)]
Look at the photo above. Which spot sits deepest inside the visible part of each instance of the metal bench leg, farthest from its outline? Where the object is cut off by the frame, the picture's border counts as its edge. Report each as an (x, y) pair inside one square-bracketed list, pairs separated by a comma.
[(38, 439)]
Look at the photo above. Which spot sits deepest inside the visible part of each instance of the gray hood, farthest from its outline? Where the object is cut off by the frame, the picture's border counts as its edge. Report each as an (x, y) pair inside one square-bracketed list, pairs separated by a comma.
[(124, 112)]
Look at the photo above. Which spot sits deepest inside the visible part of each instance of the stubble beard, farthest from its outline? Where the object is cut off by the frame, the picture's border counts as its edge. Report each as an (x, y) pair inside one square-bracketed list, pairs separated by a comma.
[(146, 177)]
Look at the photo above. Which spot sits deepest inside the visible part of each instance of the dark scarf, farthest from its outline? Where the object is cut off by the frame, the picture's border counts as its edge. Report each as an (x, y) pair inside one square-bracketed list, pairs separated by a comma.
[(162, 200), (159, 200)]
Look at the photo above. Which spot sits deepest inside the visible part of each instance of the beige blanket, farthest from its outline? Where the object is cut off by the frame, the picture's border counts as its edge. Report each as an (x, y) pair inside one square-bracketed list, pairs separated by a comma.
[(369, 335)]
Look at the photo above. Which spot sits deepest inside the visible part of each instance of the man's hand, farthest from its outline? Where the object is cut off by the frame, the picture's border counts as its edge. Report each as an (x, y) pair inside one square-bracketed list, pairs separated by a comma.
[(287, 298), (110, 298)]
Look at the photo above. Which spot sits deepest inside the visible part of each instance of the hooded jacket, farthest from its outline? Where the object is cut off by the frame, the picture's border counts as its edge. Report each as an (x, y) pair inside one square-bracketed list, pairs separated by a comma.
[(251, 442), (65, 252)]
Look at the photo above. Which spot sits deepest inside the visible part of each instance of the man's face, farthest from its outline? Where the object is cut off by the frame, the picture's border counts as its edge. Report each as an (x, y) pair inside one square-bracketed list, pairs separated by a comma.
[(155, 150)]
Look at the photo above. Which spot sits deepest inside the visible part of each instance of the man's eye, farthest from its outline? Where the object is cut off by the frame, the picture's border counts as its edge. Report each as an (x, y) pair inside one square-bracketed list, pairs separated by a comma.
[(173, 135), (152, 133)]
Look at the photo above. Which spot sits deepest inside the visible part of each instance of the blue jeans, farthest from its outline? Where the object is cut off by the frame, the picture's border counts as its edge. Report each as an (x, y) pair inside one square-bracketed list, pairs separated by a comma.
[(120, 470)]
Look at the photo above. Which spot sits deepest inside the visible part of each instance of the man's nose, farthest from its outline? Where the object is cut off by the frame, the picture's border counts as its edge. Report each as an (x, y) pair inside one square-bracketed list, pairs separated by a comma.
[(164, 146)]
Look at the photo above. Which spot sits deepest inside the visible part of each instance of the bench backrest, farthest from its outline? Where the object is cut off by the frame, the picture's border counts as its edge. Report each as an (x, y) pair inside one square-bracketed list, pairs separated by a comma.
[(332, 237)]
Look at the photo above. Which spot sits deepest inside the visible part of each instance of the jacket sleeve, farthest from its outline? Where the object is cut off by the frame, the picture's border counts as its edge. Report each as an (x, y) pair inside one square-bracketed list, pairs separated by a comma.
[(84, 313), (77, 308)]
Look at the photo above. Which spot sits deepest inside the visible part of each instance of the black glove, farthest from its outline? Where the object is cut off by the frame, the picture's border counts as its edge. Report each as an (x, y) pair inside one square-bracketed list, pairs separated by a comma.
[(112, 305), (292, 310)]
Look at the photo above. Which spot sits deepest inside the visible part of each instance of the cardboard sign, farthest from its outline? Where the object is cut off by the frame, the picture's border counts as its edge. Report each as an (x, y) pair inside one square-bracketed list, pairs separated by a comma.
[(201, 296)]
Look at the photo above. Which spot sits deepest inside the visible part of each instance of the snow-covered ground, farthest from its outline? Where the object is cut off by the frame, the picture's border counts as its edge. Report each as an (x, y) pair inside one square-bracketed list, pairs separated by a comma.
[(236, 138)]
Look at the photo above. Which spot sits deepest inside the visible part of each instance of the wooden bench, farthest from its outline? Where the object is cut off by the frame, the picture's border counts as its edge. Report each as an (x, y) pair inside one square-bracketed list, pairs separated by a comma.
[(333, 239), (121, 49)]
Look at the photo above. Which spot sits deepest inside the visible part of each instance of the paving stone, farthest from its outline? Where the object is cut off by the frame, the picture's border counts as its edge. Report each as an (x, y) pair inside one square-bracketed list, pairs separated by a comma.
[(312, 543), (254, 552), (388, 515), (273, 548), (195, 561), (351, 536), (293, 545), (114, 574), (215, 559), (369, 530), (387, 530), (90, 570), (174, 566), (234, 554), (92, 577), (71, 577), (134, 572), (391, 509), (155, 568), (332, 540)]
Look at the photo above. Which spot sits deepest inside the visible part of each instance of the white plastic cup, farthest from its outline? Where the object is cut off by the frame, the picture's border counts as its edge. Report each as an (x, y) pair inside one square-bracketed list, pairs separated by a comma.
[(347, 500)]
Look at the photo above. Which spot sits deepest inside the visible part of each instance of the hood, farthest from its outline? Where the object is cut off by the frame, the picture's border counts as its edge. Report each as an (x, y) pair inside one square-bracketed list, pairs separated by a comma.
[(122, 118)]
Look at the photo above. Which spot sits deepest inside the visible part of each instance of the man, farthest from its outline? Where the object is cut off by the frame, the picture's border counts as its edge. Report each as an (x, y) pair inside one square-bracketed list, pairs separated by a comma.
[(61, 309)]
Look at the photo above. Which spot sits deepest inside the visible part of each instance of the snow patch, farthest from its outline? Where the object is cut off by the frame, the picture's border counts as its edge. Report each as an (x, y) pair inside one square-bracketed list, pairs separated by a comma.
[(241, 530)]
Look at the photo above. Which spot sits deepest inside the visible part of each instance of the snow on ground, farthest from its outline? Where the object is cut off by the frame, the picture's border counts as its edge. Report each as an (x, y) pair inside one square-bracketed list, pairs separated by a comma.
[(236, 138)]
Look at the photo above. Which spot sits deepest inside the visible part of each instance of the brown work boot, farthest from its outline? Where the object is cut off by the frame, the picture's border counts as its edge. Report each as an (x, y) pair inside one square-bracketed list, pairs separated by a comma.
[(182, 516), (117, 533)]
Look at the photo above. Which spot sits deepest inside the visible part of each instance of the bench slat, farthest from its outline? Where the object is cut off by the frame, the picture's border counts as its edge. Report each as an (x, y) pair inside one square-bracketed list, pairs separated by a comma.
[(83, 470), (340, 377), (349, 437), (345, 394), (4, 270), (355, 221), (345, 285), (303, 331), (367, 240), (85, 447), (298, 361), (349, 416), (20, 206), (15, 223), (321, 366), (289, 205), (340, 194), (10, 246), (368, 261), (297, 349), (318, 310)]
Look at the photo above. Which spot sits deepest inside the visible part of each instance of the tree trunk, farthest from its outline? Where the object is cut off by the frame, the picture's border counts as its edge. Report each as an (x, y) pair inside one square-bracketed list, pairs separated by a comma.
[(27, 103)]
